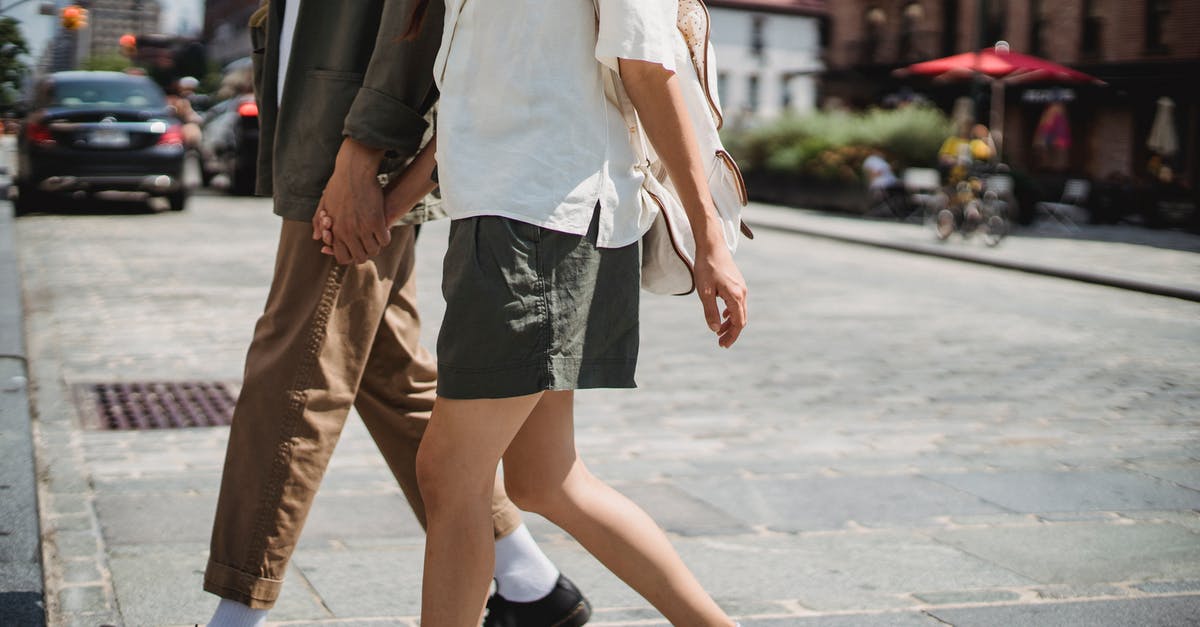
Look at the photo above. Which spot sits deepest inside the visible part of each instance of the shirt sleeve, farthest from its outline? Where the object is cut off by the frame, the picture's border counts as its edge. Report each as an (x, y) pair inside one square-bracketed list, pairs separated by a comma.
[(389, 111), (639, 30)]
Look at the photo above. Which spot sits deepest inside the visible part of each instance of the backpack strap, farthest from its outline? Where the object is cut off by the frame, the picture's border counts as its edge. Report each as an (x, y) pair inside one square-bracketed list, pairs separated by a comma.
[(615, 90)]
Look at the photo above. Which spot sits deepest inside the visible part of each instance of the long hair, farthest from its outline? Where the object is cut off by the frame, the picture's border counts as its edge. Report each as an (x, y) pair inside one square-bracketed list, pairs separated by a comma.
[(417, 19)]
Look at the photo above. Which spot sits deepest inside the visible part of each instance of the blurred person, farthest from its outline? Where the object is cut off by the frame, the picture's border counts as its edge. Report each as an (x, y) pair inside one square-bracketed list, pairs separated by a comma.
[(982, 146), (181, 105), (885, 192), (955, 153), (541, 282), (338, 90), (1052, 138)]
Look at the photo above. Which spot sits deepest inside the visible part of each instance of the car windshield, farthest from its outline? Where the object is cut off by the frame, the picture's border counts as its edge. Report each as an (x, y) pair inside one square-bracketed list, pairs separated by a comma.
[(107, 93)]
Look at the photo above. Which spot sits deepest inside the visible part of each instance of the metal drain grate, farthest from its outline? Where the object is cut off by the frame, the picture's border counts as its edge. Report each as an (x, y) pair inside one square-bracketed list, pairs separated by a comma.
[(156, 405)]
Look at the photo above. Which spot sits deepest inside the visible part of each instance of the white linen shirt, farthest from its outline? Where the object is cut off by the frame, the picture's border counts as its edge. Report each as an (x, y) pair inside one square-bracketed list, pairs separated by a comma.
[(524, 128)]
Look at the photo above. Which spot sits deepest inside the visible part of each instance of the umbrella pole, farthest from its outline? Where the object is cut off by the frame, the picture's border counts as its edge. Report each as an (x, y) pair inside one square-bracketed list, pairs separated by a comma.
[(997, 116)]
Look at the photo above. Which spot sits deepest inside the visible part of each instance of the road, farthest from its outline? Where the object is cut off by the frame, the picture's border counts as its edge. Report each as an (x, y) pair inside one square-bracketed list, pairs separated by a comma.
[(896, 440)]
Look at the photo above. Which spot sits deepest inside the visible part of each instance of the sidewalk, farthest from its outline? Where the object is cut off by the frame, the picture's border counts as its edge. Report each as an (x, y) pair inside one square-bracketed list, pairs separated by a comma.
[(899, 440), (20, 548), (1157, 262)]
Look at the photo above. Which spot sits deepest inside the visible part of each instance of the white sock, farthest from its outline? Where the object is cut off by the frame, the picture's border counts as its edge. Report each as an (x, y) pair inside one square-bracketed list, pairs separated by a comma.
[(233, 614), (523, 572)]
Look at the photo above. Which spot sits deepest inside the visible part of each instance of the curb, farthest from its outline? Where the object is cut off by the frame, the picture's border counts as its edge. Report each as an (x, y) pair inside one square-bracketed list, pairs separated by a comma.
[(1135, 285), (21, 575)]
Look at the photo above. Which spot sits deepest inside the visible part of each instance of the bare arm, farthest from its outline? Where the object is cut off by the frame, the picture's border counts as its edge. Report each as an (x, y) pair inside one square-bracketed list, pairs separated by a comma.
[(413, 185), (655, 94)]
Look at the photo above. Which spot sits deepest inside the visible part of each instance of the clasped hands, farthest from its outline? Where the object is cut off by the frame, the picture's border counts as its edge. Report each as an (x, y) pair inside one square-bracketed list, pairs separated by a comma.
[(354, 217)]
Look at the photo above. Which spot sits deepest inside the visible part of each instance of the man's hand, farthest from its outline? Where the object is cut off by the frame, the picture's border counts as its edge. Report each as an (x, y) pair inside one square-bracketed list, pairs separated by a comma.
[(353, 201)]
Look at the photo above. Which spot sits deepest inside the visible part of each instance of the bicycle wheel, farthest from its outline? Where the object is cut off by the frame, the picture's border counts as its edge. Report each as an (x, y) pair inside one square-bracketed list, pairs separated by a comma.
[(944, 224), (994, 230)]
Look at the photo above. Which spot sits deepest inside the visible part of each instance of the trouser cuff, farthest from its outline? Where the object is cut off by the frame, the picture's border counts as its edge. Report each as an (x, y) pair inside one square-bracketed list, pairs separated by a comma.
[(258, 593)]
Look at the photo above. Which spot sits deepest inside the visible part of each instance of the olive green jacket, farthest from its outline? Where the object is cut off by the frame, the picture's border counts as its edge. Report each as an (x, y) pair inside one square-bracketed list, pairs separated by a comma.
[(350, 75)]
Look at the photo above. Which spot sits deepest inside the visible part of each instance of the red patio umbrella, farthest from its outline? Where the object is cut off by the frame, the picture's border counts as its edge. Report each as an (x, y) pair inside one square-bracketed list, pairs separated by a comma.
[(999, 66), (998, 63)]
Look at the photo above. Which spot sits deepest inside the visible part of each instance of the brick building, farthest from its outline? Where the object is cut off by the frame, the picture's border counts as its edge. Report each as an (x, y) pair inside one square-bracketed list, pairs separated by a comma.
[(1142, 49), (225, 28), (110, 19)]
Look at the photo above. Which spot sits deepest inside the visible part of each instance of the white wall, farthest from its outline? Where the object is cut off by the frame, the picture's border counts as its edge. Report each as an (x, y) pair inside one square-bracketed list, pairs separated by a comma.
[(789, 62)]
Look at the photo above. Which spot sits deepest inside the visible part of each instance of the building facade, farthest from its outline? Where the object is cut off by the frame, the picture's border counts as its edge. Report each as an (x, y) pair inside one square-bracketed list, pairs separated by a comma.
[(1144, 50), (768, 55), (226, 29), (108, 20)]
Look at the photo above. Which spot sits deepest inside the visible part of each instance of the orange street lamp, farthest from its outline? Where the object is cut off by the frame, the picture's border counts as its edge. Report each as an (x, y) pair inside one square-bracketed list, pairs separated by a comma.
[(128, 43), (74, 17)]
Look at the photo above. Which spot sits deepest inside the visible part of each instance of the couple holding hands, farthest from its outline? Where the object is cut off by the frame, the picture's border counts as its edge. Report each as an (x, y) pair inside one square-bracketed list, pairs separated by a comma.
[(541, 281)]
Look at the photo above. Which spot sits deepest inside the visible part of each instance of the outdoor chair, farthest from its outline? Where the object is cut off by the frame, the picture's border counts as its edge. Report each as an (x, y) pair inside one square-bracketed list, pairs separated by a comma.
[(922, 185), (1000, 189), (1070, 207)]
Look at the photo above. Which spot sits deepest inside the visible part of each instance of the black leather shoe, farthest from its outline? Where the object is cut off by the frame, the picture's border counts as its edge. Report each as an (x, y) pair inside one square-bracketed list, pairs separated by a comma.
[(565, 606)]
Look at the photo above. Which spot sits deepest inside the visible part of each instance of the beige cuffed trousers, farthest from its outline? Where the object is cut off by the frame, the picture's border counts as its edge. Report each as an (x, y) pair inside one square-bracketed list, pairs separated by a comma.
[(330, 337)]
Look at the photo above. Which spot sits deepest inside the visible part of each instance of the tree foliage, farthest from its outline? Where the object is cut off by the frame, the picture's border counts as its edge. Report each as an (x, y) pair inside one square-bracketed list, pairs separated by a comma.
[(831, 145), (12, 67), (111, 62)]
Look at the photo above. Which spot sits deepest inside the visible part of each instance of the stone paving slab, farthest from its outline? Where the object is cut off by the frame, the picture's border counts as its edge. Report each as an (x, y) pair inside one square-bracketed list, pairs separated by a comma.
[(1107, 490), (1084, 552), (835, 572), (1163, 612), (157, 586), (891, 619), (834, 502), (679, 512), (1187, 476), (365, 583)]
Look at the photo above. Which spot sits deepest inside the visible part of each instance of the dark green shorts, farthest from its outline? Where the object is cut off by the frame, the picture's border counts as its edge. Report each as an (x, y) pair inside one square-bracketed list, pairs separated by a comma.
[(530, 309)]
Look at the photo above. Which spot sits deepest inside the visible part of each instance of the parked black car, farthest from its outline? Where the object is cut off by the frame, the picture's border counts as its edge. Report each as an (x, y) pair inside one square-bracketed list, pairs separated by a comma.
[(91, 132), (229, 143)]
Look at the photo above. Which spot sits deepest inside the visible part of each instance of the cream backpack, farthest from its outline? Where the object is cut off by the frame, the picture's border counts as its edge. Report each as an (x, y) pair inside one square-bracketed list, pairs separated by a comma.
[(669, 248)]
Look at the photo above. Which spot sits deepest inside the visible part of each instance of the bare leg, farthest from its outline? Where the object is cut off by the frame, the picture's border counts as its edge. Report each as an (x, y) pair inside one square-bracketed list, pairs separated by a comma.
[(456, 470), (543, 474)]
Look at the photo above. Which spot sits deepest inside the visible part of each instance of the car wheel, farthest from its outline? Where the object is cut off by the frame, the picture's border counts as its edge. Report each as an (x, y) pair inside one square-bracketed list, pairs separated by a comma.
[(27, 201), (242, 181), (193, 174), (178, 200)]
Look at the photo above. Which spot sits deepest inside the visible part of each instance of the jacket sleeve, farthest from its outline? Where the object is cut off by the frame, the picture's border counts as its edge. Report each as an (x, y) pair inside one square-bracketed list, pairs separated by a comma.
[(398, 90)]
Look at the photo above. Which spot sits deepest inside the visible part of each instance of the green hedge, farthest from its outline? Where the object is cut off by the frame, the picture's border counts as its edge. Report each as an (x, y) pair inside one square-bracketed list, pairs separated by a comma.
[(831, 146)]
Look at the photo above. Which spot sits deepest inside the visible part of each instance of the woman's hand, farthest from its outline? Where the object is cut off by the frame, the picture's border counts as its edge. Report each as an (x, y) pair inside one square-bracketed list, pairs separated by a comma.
[(718, 277)]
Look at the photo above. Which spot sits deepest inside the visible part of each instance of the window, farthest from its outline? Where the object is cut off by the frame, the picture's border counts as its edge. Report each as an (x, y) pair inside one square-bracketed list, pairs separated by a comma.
[(1089, 43), (949, 27), (874, 21), (722, 84), (912, 16), (1037, 23), (1156, 19), (996, 21), (757, 41), (752, 96), (785, 92)]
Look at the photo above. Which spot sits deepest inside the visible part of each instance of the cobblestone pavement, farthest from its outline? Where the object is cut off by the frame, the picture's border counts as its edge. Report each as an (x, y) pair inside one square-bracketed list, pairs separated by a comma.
[(896, 440)]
